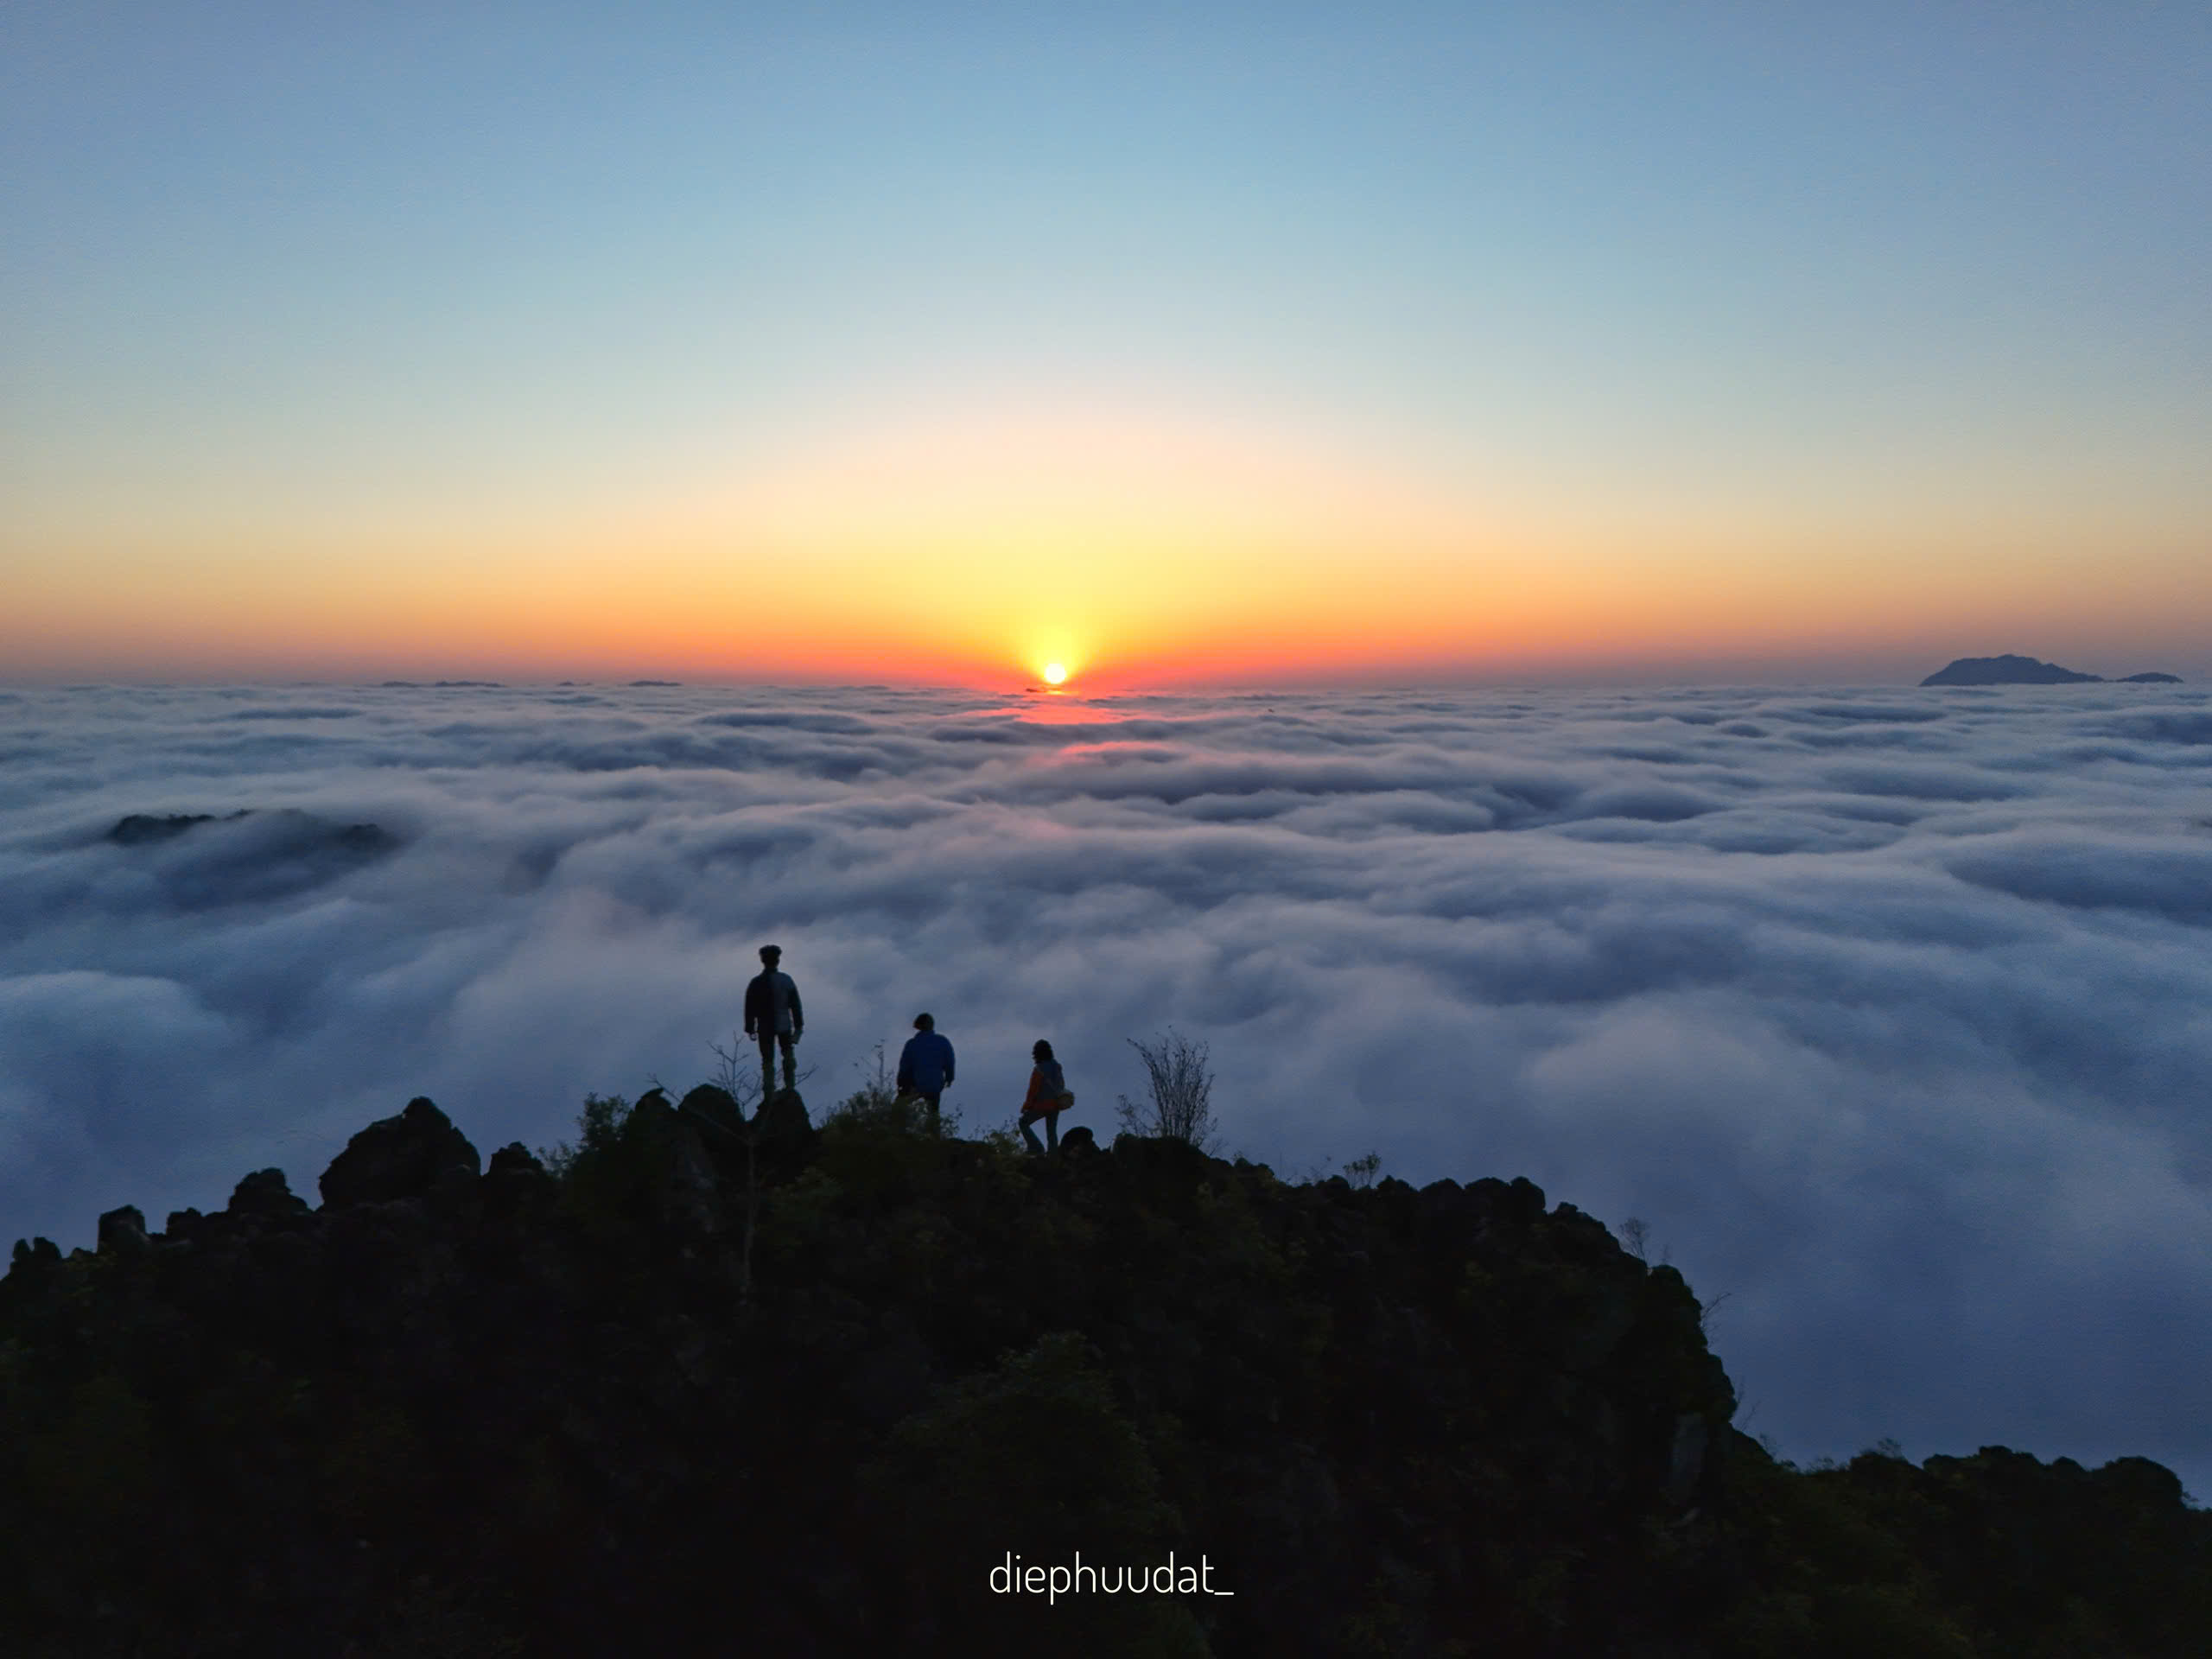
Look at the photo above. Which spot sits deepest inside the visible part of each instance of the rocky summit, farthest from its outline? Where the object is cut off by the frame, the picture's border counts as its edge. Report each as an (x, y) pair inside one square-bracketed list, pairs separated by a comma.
[(707, 1382)]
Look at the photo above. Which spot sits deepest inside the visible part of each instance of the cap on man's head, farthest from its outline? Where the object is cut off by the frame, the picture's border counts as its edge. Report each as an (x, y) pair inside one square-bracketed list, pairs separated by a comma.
[(770, 952), (925, 1022)]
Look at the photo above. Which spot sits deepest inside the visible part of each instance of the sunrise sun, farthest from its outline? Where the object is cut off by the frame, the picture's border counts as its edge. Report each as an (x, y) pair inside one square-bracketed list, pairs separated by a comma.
[(1055, 673)]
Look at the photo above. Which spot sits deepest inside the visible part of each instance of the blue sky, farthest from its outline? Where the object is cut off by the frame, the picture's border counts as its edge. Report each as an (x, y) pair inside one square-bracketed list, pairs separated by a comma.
[(1938, 270)]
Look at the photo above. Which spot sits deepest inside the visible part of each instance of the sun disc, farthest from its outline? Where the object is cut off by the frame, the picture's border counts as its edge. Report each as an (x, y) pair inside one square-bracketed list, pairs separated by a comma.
[(1054, 673)]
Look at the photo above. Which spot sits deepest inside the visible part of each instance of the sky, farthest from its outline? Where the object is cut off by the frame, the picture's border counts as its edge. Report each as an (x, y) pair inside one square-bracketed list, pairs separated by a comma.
[(1885, 1011), (1183, 345)]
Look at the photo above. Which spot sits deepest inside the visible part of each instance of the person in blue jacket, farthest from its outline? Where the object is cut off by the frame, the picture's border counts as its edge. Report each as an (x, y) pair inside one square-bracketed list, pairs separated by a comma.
[(926, 1063)]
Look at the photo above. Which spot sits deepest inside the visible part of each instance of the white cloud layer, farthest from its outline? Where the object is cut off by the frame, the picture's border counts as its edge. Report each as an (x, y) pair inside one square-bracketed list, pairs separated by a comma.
[(1891, 1014)]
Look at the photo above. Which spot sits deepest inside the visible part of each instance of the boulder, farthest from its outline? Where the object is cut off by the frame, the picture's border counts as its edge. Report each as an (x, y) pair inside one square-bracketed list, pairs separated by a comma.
[(512, 1159), (265, 1193), (515, 1182), (782, 1120), (1443, 1214), (1519, 1203), (686, 1188), (719, 1110), (122, 1230), (34, 1258), (404, 1157)]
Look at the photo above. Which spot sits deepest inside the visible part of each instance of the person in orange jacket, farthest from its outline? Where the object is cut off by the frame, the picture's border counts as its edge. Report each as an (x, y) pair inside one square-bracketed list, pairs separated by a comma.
[(1048, 1098)]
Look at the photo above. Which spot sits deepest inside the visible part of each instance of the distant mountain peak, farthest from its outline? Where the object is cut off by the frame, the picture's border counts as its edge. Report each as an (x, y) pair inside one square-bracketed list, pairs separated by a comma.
[(2010, 669)]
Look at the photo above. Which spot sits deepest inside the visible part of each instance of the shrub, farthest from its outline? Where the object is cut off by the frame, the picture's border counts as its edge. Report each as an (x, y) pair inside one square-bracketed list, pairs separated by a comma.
[(1180, 1083)]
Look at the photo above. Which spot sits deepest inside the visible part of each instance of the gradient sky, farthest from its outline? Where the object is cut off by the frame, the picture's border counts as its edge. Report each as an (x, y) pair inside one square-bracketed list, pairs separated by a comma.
[(1181, 344)]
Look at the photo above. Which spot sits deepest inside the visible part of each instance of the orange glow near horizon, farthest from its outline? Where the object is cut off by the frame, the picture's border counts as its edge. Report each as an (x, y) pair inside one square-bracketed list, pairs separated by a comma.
[(982, 546)]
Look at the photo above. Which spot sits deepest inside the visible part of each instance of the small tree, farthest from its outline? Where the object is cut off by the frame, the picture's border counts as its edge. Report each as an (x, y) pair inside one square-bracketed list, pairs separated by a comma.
[(1181, 1086), (874, 1101)]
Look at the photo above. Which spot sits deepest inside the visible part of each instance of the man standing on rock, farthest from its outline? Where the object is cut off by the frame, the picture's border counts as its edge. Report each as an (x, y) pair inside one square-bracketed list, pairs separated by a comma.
[(773, 1015), (926, 1063)]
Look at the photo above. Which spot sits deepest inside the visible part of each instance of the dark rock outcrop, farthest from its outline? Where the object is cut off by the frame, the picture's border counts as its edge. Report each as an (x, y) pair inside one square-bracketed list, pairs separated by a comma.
[(717, 1108), (409, 1155), (516, 1184), (782, 1131), (686, 1192), (266, 1195), (122, 1229)]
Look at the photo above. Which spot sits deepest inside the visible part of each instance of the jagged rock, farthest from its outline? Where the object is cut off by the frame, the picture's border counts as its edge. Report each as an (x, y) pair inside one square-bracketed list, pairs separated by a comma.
[(407, 1156), (1602, 1323), (719, 1110), (1686, 1458), (1161, 1156), (687, 1187), (184, 1224), (265, 1193), (1443, 1214), (515, 1182), (783, 1113), (1584, 1239), (783, 1131), (1079, 1142), (1519, 1203), (512, 1159), (122, 1229)]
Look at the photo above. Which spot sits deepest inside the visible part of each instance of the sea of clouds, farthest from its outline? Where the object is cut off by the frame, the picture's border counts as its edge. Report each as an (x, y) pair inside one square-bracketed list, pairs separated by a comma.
[(1890, 1014)]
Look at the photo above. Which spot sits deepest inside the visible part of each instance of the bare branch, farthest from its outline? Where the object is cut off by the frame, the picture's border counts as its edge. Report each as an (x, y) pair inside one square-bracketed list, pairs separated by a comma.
[(1180, 1083)]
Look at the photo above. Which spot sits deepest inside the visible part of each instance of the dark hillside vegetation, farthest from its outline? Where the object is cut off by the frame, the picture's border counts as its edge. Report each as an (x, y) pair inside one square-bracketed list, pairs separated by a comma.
[(700, 1385)]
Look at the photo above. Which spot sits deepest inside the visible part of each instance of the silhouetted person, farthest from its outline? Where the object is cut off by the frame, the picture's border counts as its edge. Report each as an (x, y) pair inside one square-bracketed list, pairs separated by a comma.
[(773, 1015), (1048, 1098), (926, 1063)]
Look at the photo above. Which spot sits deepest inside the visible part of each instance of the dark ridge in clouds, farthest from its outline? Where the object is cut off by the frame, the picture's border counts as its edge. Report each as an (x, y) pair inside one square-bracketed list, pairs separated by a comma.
[(141, 827), (1889, 1013)]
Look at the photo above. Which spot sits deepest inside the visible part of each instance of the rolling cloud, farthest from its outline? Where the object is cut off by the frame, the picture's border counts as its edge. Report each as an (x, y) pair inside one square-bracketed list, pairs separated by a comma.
[(1891, 1013)]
